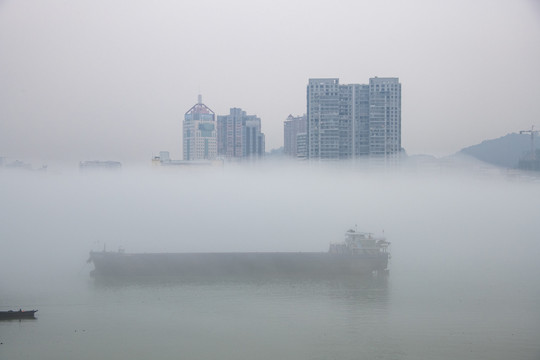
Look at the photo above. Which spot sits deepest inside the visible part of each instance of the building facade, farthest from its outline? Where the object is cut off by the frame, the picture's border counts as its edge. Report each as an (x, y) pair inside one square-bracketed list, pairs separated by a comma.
[(293, 126), (199, 133), (355, 120), (323, 126), (384, 117), (239, 135), (253, 140), (301, 146)]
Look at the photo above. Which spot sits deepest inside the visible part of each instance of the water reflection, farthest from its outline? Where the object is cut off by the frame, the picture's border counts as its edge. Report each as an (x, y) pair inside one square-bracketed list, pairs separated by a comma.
[(353, 290), (372, 280)]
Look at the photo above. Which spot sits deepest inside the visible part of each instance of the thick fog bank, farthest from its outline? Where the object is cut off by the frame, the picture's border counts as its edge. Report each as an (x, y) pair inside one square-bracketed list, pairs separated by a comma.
[(437, 221)]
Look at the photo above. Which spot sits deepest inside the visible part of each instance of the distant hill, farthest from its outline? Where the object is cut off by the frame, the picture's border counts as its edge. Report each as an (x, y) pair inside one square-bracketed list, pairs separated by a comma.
[(505, 151)]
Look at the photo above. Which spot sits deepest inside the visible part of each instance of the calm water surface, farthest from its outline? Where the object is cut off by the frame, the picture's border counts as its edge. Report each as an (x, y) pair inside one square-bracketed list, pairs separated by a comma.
[(375, 318)]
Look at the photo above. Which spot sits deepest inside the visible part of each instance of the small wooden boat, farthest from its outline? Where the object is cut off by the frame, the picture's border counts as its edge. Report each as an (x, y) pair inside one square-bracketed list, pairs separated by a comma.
[(21, 314)]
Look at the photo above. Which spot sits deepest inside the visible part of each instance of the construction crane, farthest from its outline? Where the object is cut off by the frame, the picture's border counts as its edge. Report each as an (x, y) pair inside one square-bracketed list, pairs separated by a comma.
[(532, 132)]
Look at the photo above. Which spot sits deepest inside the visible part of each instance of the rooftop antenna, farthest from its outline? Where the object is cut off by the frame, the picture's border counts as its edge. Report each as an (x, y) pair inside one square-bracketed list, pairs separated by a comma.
[(532, 132), (199, 99)]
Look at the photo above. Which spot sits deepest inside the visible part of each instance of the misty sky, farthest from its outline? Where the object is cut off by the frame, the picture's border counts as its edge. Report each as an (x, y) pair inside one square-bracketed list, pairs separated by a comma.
[(111, 80)]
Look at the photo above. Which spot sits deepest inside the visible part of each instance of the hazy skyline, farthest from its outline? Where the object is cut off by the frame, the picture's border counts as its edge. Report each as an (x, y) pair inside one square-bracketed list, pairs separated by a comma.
[(112, 80)]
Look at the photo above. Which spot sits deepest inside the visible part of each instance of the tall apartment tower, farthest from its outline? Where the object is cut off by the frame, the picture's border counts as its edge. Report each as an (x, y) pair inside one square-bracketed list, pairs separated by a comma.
[(239, 135), (252, 138), (323, 119), (354, 119), (292, 127), (200, 135), (351, 121), (384, 117)]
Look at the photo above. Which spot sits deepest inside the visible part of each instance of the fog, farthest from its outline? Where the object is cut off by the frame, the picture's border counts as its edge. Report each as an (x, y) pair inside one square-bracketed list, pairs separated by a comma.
[(464, 246), (96, 80), (454, 219)]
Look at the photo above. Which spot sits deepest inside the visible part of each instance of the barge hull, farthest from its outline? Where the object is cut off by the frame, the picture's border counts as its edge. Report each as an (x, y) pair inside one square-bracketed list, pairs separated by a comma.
[(277, 264)]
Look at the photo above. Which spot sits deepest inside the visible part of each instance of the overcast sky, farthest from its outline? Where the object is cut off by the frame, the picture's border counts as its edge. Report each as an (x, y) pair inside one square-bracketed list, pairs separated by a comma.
[(111, 80)]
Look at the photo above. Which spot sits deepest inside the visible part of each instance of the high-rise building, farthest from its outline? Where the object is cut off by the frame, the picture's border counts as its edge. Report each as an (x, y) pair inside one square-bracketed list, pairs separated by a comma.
[(351, 121), (230, 134), (252, 138), (384, 117), (354, 112), (293, 126), (200, 135), (239, 135), (301, 146), (323, 125)]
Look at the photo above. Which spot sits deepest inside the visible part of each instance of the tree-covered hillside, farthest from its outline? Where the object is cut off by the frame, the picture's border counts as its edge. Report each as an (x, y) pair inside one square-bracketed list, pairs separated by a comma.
[(505, 151)]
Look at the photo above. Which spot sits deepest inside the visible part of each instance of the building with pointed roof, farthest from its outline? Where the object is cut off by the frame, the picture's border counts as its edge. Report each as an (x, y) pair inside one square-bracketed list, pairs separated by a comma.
[(200, 133)]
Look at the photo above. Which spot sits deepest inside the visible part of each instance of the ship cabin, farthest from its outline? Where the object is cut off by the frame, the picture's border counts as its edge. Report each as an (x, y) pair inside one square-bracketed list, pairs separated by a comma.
[(359, 243)]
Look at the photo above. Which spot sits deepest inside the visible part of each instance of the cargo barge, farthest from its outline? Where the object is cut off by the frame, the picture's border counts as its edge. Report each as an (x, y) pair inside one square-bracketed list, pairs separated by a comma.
[(359, 253)]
